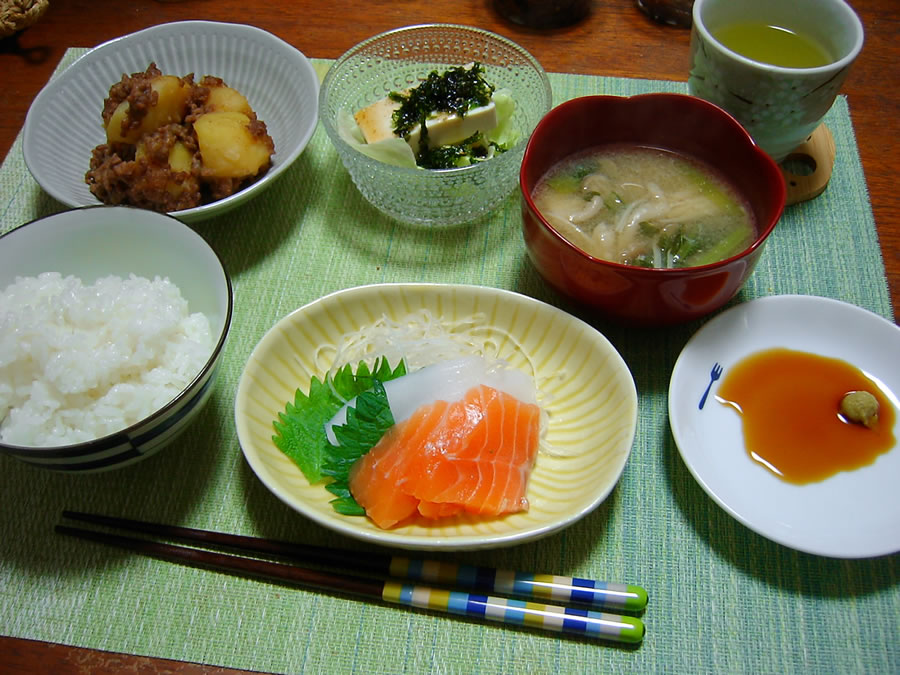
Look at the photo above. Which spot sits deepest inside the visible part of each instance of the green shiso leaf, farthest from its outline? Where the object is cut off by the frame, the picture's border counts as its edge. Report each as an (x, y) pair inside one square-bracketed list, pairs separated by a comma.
[(344, 503), (366, 423), (300, 429)]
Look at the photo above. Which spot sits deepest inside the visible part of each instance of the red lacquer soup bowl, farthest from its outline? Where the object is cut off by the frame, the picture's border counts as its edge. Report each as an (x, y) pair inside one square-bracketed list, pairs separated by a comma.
[(679, 123)]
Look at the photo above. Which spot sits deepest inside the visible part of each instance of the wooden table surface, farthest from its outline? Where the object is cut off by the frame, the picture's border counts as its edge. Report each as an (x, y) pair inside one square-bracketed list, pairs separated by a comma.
[(615, 39)]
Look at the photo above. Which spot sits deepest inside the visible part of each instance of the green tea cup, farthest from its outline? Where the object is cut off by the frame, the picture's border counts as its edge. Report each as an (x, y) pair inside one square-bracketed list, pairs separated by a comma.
[(779, 105)]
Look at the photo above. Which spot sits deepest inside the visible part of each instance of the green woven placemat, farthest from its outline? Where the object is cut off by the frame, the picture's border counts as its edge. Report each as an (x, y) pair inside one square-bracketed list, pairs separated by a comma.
[(721, 597)]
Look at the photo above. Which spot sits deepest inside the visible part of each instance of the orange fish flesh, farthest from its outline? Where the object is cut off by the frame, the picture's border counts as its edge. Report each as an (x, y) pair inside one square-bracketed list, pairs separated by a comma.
[(474, 455)]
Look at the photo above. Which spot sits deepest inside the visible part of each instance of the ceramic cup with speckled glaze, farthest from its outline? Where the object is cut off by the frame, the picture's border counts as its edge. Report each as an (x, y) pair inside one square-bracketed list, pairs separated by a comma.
[(780, 107)]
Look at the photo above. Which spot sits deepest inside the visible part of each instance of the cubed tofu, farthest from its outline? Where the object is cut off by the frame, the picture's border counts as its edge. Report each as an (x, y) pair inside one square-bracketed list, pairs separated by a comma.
[(376, 120), (376, 123), (445, 129)]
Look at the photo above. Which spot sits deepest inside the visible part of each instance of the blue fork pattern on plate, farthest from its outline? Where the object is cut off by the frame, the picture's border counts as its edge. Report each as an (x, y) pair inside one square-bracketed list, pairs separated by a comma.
[(714, 375)]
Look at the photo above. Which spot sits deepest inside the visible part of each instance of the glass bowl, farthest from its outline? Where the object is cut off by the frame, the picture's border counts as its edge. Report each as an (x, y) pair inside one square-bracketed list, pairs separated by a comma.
[(401, 58)]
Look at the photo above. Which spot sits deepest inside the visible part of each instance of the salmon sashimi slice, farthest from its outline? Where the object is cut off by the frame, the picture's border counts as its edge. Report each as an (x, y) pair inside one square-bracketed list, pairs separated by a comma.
[(472, 455), (373, 476), (433, 511)]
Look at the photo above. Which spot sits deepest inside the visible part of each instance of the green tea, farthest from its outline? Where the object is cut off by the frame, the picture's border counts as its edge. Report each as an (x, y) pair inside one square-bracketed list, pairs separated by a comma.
[(773, 44)]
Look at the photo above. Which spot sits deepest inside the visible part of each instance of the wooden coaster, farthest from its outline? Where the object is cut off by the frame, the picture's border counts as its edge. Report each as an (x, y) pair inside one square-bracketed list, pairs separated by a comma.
[(817, 152)]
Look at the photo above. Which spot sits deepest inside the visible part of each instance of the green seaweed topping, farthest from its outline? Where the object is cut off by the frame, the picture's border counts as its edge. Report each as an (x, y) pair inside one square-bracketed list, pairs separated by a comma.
[(455, 92)]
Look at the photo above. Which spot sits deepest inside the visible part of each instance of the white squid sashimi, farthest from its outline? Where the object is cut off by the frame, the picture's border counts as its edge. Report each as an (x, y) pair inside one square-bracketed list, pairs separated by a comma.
[(444, 381)]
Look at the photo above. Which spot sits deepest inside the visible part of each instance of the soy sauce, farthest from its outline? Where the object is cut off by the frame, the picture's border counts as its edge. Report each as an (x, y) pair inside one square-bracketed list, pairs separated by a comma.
[(789, 402)]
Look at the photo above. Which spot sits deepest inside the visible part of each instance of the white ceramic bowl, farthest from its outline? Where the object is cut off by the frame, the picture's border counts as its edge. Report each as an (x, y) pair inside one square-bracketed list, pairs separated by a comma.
[(402, 58), (94, 242), (64, 124), (590, 395)]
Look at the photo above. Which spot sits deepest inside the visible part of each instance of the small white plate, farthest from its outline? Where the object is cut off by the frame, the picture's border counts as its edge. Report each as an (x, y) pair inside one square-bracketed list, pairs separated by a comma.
[(854, 514), (590, 394)]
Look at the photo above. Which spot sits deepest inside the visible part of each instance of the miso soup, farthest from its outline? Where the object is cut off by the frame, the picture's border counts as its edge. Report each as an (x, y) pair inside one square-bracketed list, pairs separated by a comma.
[(646, 207)]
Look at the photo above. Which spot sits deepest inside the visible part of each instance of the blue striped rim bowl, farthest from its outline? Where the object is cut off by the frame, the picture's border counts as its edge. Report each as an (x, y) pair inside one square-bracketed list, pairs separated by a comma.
[(64, 124), (96, 242)]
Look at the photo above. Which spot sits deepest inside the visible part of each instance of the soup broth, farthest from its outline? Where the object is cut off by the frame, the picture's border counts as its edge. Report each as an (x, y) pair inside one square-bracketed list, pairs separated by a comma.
[(645, 207)]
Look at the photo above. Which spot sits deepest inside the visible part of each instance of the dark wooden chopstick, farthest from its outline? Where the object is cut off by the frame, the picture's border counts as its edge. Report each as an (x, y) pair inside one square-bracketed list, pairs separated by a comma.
[(566, 590), (222, 561), (580, 621)]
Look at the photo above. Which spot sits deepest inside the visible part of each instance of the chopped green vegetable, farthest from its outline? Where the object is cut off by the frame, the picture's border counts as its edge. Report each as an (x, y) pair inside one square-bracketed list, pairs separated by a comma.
[(614, 202), (570, 181), (726, 247), (642, 260), (300, 429), (463, 153), (505, 135), (691, 243), (680, 242), (717, 192), (649, 229)]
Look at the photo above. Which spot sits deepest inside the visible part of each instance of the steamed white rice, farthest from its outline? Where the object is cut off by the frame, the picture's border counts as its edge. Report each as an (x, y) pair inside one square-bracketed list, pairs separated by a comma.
[(78, 362)]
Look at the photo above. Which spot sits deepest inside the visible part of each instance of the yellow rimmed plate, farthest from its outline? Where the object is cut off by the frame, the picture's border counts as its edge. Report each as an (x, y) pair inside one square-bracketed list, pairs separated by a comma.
[(589, 395)]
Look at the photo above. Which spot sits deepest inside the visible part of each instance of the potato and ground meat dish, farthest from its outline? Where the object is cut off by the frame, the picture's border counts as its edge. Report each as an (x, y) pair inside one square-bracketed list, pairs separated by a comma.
[(174, 144)]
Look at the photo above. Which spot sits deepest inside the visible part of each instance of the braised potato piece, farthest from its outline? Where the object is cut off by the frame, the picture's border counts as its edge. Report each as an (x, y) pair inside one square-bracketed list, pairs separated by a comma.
[(170, 103), (228, 146), (180, 158), (180, 161), (226, 99)]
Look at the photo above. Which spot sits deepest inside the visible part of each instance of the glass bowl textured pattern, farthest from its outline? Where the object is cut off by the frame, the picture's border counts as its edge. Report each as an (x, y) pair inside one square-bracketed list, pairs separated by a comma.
[(402, 58)]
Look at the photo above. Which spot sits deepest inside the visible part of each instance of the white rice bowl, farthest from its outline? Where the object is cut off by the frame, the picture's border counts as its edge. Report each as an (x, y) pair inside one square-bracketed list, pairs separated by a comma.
[(113, 322), (82, 361)]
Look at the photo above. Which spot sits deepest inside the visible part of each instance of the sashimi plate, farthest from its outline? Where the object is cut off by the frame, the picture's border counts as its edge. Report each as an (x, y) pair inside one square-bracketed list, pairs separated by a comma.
[(587, 391), (853, 514)]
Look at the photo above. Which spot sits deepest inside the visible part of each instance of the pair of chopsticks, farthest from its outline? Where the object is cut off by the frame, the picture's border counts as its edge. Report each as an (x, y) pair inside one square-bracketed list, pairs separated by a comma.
[(524, 606)]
